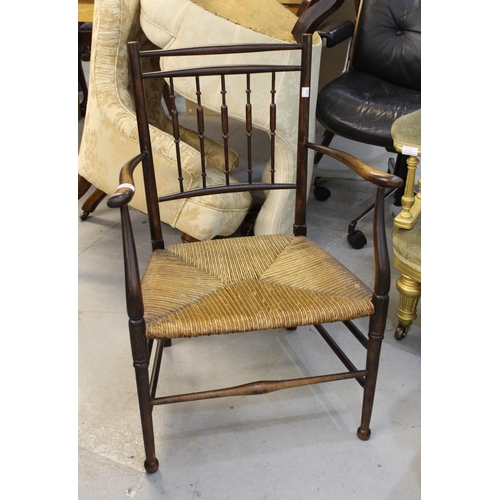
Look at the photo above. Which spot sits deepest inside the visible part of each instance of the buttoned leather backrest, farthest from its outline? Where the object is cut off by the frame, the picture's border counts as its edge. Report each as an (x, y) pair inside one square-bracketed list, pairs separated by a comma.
[(387, 43)]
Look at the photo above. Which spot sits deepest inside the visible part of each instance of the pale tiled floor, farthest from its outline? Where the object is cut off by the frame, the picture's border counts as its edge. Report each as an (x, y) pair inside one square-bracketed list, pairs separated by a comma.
[(295, 444)]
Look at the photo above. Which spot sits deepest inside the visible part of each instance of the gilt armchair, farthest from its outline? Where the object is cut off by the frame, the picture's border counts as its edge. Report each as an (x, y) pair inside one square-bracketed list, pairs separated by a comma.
[(406, 235)]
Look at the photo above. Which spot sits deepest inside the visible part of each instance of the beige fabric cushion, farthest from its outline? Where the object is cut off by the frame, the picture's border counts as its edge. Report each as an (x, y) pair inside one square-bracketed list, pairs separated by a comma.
[(407, 246), (160, 19), (406, 131), (264, 16)]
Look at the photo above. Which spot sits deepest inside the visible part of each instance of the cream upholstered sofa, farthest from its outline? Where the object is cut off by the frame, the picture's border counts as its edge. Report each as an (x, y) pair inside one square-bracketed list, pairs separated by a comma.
[(110, 134)]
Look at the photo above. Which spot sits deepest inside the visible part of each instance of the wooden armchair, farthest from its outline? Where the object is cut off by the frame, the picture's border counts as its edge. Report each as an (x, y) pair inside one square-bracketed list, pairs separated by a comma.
[(244, 284)]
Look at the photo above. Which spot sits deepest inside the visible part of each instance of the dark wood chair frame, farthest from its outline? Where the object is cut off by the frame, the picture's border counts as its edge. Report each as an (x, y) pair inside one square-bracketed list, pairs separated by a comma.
[(143, 348)]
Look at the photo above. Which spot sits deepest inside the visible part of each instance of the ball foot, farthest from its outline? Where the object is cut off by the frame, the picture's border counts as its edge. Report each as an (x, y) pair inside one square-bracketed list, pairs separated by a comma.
[(151, 467), (364, 435)]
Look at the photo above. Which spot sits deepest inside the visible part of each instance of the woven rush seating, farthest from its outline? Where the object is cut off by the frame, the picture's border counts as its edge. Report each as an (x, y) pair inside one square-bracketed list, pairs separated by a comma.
[(246, 284)]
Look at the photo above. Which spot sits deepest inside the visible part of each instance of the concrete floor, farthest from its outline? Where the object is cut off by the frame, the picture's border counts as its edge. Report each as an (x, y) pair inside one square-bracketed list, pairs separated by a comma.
[(295, 444)]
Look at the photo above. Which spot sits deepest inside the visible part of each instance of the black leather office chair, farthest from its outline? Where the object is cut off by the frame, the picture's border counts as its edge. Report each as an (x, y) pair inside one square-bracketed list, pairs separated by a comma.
[(381, 83)]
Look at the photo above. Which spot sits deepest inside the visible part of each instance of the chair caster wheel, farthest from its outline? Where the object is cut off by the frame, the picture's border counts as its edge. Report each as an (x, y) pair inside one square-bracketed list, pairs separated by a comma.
[(84, 215), (321, 193), (401, 332), (357, 239)]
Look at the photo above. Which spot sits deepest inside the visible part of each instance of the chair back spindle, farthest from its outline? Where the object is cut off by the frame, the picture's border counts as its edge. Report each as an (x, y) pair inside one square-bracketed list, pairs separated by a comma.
[(200, 120), (177, 136), (248, 124)]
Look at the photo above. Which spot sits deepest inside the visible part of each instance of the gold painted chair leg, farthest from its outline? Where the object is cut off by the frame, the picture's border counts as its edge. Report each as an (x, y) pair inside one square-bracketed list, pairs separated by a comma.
[(409, 296)]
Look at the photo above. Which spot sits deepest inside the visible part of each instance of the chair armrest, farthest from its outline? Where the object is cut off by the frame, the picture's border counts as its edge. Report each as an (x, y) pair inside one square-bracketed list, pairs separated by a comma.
[(125, 191), (380, 249), (364, 170), (335, 31)]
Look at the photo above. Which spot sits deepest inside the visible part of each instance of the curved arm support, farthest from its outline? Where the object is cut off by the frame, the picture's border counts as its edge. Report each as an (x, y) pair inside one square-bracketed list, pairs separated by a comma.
[(125, 191), (368, 173), (312, 14)]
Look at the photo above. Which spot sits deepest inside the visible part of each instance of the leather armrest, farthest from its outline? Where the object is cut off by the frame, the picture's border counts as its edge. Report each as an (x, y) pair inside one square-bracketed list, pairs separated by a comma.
[(335, 31)]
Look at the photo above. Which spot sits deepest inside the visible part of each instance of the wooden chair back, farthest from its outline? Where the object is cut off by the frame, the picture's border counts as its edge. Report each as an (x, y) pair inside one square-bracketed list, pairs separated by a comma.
[(222, 72)]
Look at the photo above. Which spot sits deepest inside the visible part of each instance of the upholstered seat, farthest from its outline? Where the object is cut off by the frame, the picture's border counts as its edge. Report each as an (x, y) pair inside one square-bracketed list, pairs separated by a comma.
[(376, 102), (406, 235), (407, 255)]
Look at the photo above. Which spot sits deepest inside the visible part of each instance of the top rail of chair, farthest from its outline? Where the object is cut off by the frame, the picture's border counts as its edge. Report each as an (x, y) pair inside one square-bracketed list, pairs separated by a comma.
[(221, 70), (220, 49)]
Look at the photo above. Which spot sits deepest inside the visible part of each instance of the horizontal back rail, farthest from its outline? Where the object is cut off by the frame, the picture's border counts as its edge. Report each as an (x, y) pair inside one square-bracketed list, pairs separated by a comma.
[(224, 189), (221, 49), (221, 70)]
